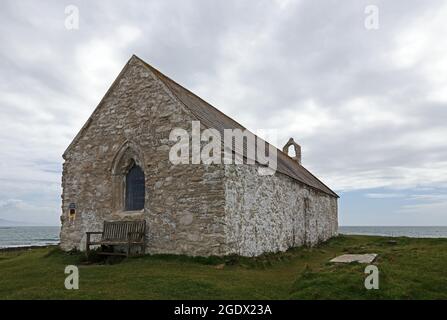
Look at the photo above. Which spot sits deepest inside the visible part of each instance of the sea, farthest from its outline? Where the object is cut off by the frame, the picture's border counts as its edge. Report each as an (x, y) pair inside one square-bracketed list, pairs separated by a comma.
[(43, 236), (412, 232), (28, 236)]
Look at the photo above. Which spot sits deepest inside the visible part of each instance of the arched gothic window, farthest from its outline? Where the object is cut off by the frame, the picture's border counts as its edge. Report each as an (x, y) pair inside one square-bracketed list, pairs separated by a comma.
[(135, 189), (128, 179)]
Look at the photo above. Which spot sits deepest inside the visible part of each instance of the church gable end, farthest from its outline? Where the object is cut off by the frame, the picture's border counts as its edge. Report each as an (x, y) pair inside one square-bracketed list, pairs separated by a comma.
[(124, 141)]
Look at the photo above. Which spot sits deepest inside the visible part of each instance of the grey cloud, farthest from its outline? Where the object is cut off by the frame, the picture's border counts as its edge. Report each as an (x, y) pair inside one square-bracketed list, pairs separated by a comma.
[(308, 69)]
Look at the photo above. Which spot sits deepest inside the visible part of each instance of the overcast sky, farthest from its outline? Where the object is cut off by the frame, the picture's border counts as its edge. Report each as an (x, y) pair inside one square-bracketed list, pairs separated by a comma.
[(368, 105)]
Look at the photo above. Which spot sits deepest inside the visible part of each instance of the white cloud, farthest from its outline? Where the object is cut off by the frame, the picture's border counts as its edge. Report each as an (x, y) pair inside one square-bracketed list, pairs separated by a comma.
[(422, 45), (100, 60), (20, 211), (384, 195)]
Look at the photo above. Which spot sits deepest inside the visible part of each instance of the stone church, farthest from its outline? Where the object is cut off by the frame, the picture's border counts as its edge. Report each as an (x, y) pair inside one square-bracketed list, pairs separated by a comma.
[(118, 168)]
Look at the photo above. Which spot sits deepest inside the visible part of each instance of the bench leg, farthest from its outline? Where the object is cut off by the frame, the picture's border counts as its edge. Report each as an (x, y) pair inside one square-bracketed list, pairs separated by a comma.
[(143, 248), (87, 246), (128, 249)]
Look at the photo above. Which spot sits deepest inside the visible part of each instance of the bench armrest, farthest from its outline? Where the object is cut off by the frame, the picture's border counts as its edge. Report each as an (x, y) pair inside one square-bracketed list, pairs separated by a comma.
[(94, 232)]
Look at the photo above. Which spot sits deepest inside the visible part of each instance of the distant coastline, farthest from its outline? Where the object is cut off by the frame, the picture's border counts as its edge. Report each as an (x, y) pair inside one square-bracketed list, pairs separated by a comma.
[(12, 223)]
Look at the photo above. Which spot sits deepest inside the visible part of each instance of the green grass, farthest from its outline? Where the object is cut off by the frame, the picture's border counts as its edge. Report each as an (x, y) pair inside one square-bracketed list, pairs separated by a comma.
[(409, 269)]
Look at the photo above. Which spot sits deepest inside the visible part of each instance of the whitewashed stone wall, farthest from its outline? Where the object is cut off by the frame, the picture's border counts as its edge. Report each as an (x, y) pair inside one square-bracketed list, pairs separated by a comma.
[(270, 214)]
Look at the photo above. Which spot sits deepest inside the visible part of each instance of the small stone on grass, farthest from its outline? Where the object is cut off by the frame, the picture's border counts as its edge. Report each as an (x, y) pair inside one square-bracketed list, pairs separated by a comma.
[(360, 258)]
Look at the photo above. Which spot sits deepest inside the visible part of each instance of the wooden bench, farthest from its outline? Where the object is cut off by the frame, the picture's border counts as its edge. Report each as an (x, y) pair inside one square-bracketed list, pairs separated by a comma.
[(119, 233)]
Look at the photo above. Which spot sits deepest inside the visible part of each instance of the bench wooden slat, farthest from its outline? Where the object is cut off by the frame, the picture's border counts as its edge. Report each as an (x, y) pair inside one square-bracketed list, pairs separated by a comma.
[(128, 233)]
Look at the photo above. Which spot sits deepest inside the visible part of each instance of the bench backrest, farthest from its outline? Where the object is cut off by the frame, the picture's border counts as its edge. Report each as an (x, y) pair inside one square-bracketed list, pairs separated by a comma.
[(119, 230)]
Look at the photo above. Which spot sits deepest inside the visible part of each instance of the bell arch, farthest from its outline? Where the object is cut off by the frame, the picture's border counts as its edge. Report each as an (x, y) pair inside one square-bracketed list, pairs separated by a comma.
[(296, 148)]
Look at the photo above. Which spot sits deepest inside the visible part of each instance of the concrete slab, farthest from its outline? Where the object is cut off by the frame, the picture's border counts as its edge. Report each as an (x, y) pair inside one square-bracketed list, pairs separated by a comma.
[(360, 258)]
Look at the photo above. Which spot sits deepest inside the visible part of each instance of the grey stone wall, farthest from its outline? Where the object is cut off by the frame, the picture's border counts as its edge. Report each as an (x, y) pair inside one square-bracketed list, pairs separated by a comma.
[(184, 204), (273, 213)]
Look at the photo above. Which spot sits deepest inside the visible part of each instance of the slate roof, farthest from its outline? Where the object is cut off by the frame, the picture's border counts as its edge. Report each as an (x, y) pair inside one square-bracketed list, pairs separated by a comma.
[(211, 117)]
